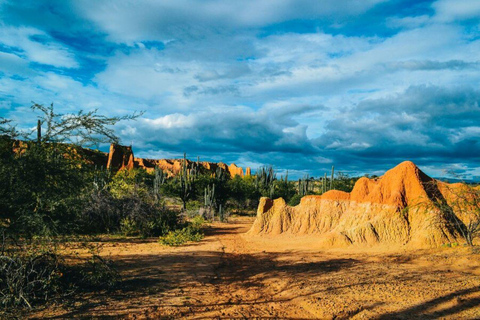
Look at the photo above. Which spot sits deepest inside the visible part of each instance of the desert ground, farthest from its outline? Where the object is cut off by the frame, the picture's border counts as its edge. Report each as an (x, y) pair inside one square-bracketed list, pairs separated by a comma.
[(230, 274)]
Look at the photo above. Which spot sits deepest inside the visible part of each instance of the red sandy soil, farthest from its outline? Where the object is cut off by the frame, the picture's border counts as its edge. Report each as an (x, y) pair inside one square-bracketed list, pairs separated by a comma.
[(231, 275)]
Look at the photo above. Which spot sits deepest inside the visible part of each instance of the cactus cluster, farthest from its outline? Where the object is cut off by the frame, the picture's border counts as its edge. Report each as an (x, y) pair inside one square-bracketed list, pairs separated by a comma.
[(221, 174), (211, 203), (332, 181), (304, 186), (265, 180), (194, 169), (210, 196), (187, 180)]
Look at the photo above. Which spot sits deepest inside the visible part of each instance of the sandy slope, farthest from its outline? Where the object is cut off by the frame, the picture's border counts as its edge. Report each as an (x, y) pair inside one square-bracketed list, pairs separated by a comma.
[(230, 275)]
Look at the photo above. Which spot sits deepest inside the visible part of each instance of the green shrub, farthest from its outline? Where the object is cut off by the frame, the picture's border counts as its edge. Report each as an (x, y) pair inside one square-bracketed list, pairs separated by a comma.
[(128, 227), (294, 200), (197, 222), (194, 205), (192, 232), (181, 236), (129, 215)]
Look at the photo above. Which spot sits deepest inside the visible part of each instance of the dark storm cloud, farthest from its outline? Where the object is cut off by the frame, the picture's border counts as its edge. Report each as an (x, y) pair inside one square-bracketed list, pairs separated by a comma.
[(301, 84), (238, 129), (425, 124)]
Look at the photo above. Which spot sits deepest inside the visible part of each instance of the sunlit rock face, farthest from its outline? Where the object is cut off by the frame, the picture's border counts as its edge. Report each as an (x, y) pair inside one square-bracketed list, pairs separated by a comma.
[(122, 157), (398, 209)]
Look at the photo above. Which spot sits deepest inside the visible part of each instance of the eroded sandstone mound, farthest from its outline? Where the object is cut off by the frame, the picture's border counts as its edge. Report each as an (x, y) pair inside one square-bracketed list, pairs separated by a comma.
[(400, 208)]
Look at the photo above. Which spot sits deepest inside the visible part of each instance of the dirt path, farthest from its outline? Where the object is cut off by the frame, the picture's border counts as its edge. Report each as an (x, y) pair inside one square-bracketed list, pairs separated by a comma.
[(230, 275)]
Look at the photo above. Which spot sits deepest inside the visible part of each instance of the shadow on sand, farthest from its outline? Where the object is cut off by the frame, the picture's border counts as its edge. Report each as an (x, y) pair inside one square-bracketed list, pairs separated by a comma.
[(424, 310)]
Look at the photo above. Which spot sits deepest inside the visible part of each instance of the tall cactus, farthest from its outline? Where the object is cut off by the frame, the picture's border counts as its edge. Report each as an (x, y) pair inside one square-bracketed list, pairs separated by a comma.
[(211, 203), (210, 196), (303, 186), (186, 182), (220, 174), (158, 180), (332, 179), (265, 180), (325, 183), (221, 213), (197, 169)]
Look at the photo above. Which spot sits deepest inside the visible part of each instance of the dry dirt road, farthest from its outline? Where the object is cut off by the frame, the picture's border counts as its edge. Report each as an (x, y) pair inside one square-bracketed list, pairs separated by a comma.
[(231, 275)]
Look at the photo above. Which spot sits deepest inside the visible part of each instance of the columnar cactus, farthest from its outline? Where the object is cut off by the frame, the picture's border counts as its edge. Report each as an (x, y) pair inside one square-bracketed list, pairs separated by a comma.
[(303, 186), (265, 180), (325, 183), (210, 196), (158, 180), (332, 179), (186, 182)]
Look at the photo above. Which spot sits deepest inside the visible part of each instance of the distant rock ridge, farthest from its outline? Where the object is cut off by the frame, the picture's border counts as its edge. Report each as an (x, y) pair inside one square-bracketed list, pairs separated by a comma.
[(122, 157), (395, 209)]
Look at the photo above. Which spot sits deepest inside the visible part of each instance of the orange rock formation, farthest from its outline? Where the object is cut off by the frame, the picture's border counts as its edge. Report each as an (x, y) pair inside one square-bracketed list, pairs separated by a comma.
[(121, 157), (397, 209)]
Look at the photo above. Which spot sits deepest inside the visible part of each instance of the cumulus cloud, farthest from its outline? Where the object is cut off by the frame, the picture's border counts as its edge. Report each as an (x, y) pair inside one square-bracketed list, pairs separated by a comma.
[(128, 21), (298, 84), (36, 46), (423, 123), (451, 10), (230, 129)]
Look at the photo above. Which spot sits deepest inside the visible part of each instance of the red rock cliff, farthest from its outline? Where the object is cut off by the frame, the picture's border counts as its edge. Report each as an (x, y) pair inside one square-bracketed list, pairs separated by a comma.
[(121, 157)]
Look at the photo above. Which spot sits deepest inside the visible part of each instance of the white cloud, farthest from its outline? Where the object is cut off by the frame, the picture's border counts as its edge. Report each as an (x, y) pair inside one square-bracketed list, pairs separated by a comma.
[(13, 64), (36, 46), (220, 77), (129, 21), (451, 10)]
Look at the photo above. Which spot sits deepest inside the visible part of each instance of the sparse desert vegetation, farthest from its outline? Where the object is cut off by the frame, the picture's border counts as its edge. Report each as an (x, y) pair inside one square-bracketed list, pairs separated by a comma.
[(255, 159), (92, 234)]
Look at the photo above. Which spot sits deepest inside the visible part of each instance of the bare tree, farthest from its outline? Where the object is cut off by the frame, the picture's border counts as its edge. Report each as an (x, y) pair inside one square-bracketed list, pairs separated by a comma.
[(81, 128), (460, 204)]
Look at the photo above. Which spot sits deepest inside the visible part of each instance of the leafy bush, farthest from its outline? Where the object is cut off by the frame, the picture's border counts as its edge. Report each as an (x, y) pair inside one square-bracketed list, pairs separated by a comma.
[(43, 180), (128, 227), (181, 236), (192, 232), (130, 215), (295, 200), (194, 205), (197, 222), (126, 183), (40, 189)]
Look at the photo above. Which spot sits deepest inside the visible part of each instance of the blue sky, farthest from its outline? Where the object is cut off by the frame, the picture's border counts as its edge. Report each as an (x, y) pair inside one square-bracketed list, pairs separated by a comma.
[(302, 85)]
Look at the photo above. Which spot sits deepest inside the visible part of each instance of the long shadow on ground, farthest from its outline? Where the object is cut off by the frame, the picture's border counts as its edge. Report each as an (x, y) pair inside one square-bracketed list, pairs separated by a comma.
[(423, 311), (148, 278)]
